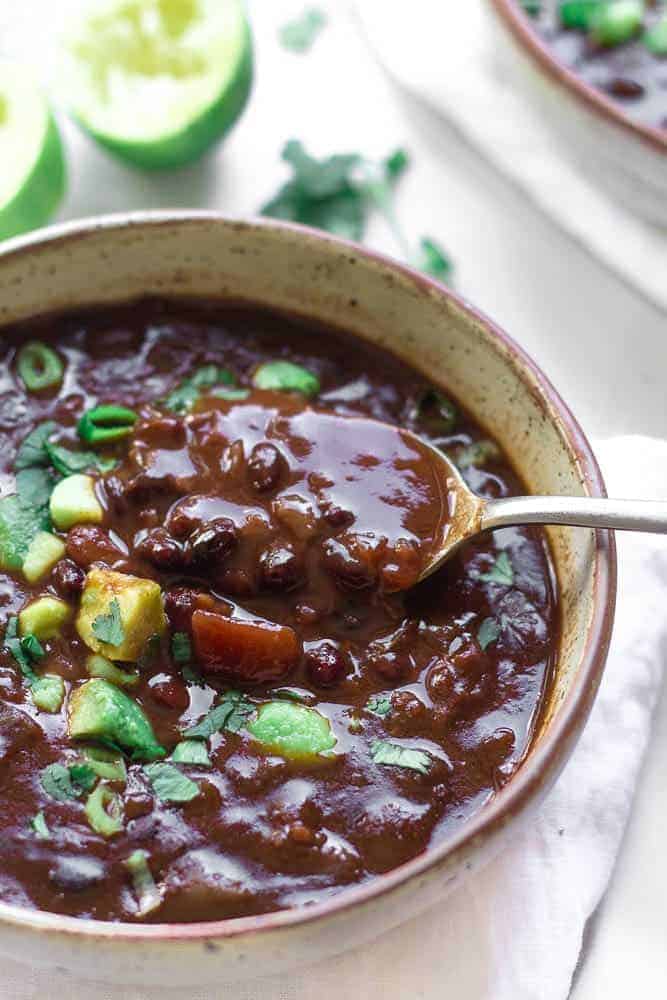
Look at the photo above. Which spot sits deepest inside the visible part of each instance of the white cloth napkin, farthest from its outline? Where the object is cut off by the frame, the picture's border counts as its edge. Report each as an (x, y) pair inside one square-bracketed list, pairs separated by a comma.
[(440, 51), (514, 931)]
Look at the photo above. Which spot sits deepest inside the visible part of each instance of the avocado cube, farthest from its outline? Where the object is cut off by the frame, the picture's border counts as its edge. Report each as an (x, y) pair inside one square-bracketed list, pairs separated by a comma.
[(44, 552), (100, 711), (48, 692), (137, 604), (74, 501), (44, 618)]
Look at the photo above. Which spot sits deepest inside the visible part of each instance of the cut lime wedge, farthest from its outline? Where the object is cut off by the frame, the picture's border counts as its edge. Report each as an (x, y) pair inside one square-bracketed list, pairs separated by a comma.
[(159, 81), (32, 170)]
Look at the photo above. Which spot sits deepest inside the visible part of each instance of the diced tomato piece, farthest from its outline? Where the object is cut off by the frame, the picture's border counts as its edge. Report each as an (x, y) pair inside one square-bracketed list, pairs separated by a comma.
[(246, 651)]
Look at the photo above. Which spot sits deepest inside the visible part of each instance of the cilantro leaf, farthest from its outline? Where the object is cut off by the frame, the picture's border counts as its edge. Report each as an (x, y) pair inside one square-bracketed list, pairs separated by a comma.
[(299, 35), (57, 782), (32, 451), (39, 827), (379, 704), (231, 713), (181, 647), (488, 632), (191, 752), (109, 628), (433, 260), (501, 572), (24, 650), (184, 396), (69, 462), (393, 754), (66, 783), (335, 193), (170, 784), (83, 776)]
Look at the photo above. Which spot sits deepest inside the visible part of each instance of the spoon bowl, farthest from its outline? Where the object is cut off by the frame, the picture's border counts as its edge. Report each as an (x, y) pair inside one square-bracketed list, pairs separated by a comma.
[(469, 515)]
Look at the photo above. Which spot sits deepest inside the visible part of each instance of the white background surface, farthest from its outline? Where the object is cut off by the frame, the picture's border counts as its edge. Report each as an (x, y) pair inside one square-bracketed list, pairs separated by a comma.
[(603, 347)]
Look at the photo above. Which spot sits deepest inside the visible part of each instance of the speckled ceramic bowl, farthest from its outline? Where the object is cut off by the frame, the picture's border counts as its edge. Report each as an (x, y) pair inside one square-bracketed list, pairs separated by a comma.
[(188, 254), (620, 155)]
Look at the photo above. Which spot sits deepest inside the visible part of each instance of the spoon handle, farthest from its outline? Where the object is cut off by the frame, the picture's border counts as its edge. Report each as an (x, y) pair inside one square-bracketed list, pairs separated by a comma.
[(587, 512)]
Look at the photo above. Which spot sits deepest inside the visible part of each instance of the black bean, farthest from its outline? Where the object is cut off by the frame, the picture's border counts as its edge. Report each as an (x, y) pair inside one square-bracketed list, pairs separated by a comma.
[(281, 568), (211, 543), (325, 664), (68, 578), (161, 550), (265, 467)]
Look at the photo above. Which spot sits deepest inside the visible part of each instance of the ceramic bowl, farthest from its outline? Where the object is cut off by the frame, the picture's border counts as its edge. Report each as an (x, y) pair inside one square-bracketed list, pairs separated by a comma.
[(620, 155), (118, 258)]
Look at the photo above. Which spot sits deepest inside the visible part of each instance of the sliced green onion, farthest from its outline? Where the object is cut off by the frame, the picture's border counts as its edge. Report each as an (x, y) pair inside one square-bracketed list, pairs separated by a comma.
[(148, 895), (39, 827), (106, 764), (655, 38), (106, 423), (39, 366), (578, 13), (617, 22), (104, 811), (286, 377)]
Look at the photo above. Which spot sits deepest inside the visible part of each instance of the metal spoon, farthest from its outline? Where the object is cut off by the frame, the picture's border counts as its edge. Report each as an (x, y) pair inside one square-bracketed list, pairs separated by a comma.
[(469, 514)]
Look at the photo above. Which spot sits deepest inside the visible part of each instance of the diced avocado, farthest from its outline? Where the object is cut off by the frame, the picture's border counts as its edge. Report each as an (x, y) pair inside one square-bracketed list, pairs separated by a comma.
[(106, 763), (44, 552), (99, 666), (48, 692), (44, 618), (101, 711), (73, 501), (136, 605), (292, 730)]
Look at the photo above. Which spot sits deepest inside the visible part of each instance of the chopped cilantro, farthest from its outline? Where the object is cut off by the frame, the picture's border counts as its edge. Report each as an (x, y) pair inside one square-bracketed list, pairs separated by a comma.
[(191, 752), (63, 783), (184, 396), (109, 628), (68, 462), (298, 35), (532, 7), (336, 193), (379, 704), (170, 784), (181, 647), (24, 650), (83, 776), (32, 451), (393, 754), (57, 782), (231, 713), (433, 260), (488, 632), (502, 571)]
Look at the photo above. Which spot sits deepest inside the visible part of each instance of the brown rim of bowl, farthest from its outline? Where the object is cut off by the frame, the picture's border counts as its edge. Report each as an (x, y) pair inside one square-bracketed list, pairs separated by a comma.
[(542, 764), (519, 24)]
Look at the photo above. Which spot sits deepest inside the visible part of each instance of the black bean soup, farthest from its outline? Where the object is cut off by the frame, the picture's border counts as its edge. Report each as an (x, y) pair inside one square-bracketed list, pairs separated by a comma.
[(617, 46), (221, 692)]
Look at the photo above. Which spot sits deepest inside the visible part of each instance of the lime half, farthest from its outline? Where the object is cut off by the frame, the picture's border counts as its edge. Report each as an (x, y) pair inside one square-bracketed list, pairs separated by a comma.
[(159, 81), (32, 169)]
